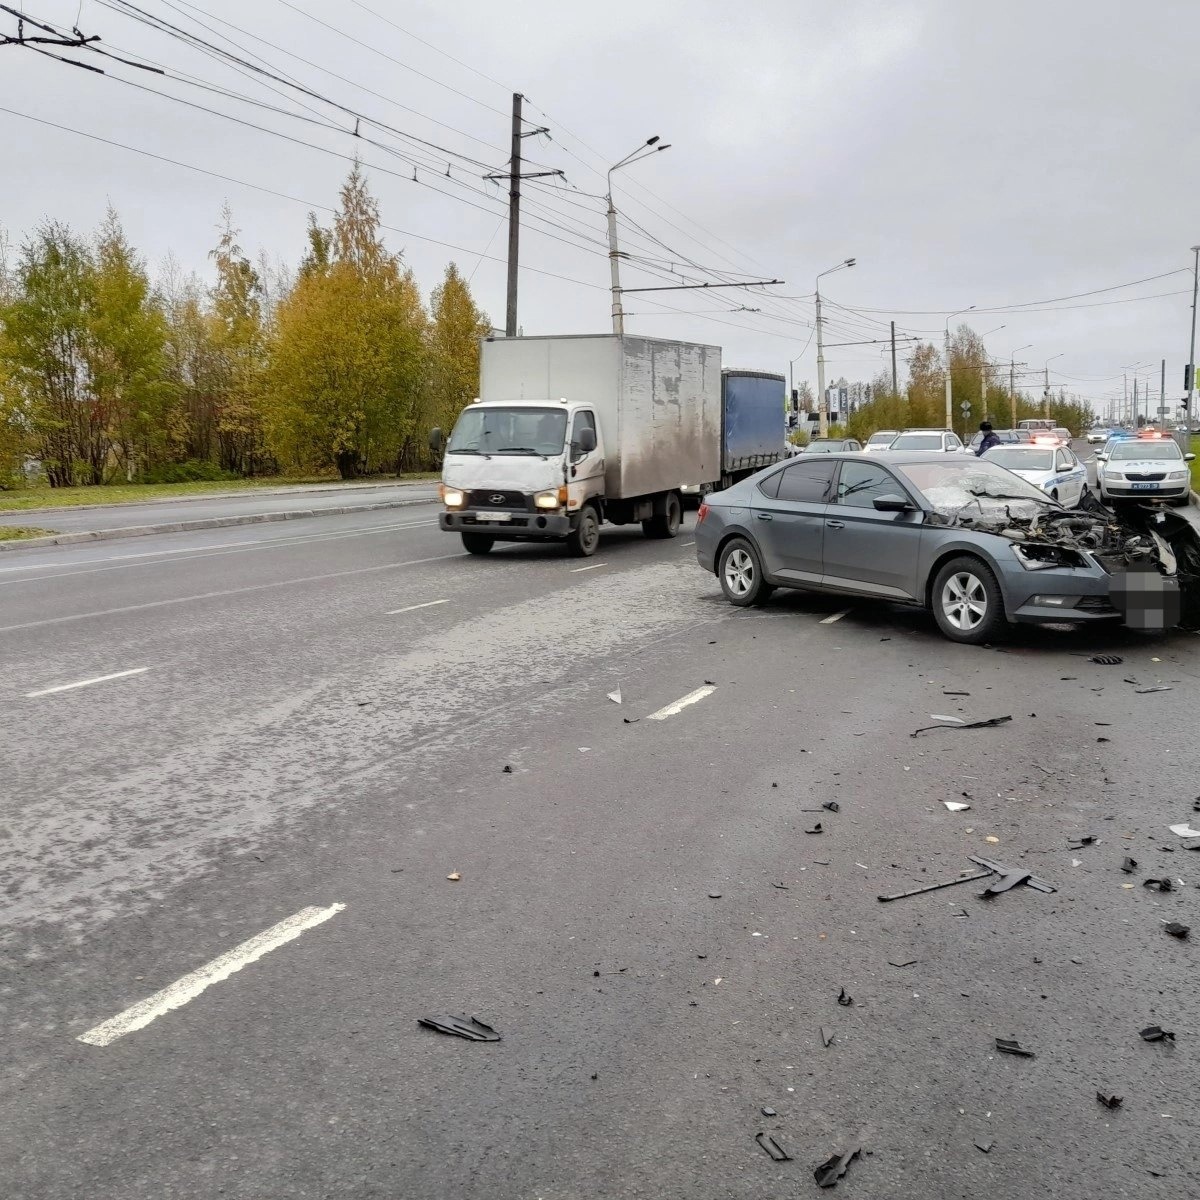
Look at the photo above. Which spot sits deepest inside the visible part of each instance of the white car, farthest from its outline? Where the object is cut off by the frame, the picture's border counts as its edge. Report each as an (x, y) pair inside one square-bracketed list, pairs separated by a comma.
[(932, 441), (1144, 468), (1097, 436), (1054, 469), (881, 439)]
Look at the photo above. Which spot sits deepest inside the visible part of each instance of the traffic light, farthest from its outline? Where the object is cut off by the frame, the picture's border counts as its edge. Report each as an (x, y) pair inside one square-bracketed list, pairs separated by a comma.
[(1187, 378)]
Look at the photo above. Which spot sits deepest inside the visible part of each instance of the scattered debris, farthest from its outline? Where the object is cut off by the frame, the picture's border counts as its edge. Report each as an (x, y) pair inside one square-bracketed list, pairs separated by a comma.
[(830, 1171), (783, 887), (714, 895), (826, 1037), (1103, 739), (1079, 843), (471, 1028), (711, 682), (945, 693), (995, 841), (1129, 865), (1185, 830), (454, 877), (615, 697), (507, 769), (1176, 930), (1158, 687), (769, 1112), (815, 829), (956, 806), (1010, 877), (832, 806), (1109, 1101), (949, 720), (631, 720), (1155, 1033), (908, 962), (985, 1146), (844, 999), (1012, 1046), (1159, 885), (772, 1147), (991, 721), (1107, 660)]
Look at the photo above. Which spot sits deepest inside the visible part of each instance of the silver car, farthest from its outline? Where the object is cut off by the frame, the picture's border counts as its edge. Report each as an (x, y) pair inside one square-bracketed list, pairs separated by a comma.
[(959, 535)]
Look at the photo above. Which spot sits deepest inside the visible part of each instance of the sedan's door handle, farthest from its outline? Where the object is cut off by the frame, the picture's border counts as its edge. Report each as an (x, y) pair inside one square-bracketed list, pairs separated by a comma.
[(764, 516), (835, 524)]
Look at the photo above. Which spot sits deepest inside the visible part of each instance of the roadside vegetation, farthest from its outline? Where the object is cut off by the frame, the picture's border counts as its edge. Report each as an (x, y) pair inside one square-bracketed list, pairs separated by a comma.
[(336, 367), (17, 533)]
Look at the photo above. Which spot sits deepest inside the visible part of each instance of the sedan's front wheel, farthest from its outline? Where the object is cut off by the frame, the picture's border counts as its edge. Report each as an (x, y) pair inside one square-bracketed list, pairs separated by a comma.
[(967, 604), (741, 574)]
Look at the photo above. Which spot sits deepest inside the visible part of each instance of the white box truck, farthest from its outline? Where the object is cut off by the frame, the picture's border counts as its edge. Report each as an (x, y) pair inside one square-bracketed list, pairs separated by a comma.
[(570, 432)]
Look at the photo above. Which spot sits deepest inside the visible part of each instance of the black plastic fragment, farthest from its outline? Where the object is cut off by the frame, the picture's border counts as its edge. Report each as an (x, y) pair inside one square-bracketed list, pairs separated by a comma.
[(826, 1037), (1079, 843), (1107, 660), (772, 1147), (1175, 929), (1129, 865), (631, 720), (985, 1146), (830, 1171), (783, 887), (945, 693), (832, 805), (1012, 1046), (908, 962), (507, 769), (1158, 687), (1109, 1101), (815, 829), (714, 895), (471, 1028), (1155, 1033), (1159, 885), (991, 721), (845, 999), (1103, 739)]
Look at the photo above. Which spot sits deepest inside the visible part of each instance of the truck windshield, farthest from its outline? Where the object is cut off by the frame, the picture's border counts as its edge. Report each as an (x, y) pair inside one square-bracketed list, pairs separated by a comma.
[(491, 430)]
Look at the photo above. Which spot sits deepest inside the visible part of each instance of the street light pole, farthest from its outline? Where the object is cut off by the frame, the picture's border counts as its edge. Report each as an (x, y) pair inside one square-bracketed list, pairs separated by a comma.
[(1012, 376), (1046, 385), (650, 146), (822, 399), (949, 385), (1191, 379)]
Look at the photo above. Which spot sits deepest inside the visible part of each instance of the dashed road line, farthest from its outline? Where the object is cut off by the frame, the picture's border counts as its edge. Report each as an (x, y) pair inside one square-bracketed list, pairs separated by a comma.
[(837, 616), (70, 687), (191, 985), (576, 570), (683, 702), (395, 612)]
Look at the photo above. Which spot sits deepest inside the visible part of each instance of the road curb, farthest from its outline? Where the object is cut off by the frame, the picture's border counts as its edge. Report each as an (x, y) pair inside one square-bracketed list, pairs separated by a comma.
[(131, 531)]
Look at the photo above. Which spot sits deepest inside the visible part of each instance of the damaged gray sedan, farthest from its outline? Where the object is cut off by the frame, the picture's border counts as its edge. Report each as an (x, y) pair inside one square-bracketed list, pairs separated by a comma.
[(961, 536)]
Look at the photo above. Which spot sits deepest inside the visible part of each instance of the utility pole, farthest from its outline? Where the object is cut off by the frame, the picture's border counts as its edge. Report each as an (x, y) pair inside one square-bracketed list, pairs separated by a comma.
[(822, 399), (983, 368), (1135, 403), (1046, 393), (895, 390), (1012, 391), (1190, 382), (514, 217), (1162, 394)]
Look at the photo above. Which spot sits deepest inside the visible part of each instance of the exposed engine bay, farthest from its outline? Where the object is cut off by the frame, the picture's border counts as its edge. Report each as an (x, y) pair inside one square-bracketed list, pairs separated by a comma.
[(1134, 537)]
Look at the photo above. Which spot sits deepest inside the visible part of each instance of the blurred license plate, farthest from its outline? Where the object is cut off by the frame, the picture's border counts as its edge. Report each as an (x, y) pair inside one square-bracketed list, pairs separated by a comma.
[(493, 516), (1144, 487)]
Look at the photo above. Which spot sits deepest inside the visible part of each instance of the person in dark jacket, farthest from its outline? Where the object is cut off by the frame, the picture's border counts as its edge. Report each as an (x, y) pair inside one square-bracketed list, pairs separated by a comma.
[(988, 440)]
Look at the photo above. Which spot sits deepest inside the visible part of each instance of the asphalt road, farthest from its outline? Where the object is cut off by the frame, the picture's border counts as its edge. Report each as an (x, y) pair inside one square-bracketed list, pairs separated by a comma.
[(233, 504), (322, 717)]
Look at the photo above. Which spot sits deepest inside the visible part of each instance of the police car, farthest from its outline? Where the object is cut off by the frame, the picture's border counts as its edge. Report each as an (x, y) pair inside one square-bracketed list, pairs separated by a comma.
[(1053, 468), (1147, 467)]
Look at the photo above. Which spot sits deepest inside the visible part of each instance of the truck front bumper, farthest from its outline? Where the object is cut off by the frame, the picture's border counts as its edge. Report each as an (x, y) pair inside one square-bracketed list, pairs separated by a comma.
[(520, 526)]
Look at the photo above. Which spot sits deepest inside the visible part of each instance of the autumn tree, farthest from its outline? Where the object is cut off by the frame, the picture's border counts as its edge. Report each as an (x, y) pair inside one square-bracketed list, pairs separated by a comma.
[(455, 331), (346, 375)]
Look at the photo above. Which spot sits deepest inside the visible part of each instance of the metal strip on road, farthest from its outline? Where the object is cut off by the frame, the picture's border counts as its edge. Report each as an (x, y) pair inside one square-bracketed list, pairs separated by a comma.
[(576, 570), (256, 587), (395, 612), (837, 616), (70, 687), (683, 702), (191, 985)]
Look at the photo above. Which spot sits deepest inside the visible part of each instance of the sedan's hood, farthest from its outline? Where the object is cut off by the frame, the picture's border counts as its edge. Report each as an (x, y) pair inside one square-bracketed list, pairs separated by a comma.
[(1141, 465), (504, 472), (1037, 478)]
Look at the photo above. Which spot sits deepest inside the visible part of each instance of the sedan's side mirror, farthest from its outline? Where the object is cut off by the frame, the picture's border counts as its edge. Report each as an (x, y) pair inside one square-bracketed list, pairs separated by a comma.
[(437, 440), (587, 441), (892, 503), (1188, 457)]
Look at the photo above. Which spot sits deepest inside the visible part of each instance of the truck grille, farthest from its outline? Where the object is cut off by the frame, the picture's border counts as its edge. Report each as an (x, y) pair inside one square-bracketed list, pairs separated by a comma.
[(499, 499)]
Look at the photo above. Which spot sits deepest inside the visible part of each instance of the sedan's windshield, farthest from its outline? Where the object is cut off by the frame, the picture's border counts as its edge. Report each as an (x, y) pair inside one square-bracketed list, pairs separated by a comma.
[(509, 431), (918, 441), (1153, 450), (1022, 460), (950, 485), (881, 439)]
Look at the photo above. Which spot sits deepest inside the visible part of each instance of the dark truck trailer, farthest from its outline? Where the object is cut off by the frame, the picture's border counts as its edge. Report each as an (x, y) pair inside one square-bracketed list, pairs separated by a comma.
[(753, 426)]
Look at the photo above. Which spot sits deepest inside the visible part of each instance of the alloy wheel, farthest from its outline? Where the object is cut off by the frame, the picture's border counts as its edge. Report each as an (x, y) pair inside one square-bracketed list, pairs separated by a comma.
[(964, 601)]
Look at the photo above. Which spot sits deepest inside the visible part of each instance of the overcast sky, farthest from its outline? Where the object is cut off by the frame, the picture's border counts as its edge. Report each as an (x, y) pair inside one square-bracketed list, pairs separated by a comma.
[(966, 154)]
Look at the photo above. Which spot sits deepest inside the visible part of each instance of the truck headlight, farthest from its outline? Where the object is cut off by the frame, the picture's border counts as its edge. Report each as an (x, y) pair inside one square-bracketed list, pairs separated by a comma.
[(547, 499), (453, 497)]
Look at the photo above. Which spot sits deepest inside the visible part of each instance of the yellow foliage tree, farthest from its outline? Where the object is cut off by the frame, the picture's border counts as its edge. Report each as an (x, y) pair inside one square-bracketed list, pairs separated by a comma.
[(456, 329)]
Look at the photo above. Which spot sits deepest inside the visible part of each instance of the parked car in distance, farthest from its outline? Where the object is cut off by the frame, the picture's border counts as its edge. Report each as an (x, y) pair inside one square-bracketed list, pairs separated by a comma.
[(1007, 437), (1098, 435), (1054, 469), (830, 446), (881, 439), (1062, 433), (1144, 468), (926, 441)]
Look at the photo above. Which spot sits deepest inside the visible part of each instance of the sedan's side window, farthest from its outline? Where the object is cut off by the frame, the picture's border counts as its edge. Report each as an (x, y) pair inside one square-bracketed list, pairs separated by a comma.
[(1064, 461), (770, 485), (859, 484), (806, 482)]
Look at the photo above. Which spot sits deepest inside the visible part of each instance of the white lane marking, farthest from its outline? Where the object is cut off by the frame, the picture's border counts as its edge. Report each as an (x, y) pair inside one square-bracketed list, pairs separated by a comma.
[(395, 612), (837, 616), (191, 985), (576, 570), (70, 687), (257, 587), (682, 703)]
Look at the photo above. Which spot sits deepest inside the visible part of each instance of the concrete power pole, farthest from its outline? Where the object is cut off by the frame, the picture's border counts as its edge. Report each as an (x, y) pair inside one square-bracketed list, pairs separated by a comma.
[(514, 217), (1012, 391), (895, 390), (822, 398), (1190, 382)]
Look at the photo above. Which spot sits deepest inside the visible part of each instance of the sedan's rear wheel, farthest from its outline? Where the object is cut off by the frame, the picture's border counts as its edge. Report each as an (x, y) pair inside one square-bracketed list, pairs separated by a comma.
[(967, 604), (741, 574)]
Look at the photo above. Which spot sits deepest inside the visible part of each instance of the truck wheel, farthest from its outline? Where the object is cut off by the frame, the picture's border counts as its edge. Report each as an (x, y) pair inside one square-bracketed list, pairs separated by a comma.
[(477, 543), (740, 572), (967, 603), (667, 525), (585, 537)]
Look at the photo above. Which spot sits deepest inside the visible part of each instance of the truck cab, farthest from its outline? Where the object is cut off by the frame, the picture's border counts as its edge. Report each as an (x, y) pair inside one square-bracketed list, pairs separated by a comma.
[(531, 470)]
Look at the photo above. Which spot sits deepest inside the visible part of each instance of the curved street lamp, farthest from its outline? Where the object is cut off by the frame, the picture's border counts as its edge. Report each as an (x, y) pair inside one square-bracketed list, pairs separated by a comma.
[(645, 150), (822, 399)]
